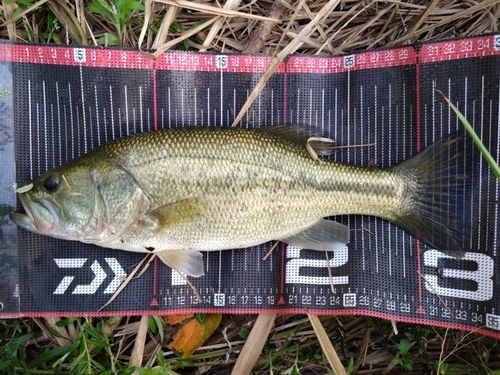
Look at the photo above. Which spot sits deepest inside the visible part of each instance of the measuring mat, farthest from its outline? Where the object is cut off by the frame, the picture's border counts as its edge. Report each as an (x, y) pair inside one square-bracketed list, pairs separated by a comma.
[(63, 101)]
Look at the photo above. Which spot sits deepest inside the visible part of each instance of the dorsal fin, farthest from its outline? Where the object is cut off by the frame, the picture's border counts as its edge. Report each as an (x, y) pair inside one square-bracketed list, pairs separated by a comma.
[(300, 137)]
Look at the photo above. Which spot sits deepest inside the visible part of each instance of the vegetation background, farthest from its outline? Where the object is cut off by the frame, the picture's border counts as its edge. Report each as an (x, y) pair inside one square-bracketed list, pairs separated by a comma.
[(363, 345)]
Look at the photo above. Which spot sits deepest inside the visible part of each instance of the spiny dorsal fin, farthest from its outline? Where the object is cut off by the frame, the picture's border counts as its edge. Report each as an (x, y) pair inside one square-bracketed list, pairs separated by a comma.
[(289, 132)]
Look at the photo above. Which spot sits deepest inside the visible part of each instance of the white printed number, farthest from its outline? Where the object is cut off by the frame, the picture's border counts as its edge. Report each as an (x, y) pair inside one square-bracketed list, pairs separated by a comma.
[(221, 61), (350, 300), (79, 55), (482, 276), (293, 267), (493, 321), (219, 299)]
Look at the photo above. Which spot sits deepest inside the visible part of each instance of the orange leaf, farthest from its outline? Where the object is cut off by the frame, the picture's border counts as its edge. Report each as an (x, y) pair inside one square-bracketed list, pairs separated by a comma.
[(193, 334), (173, 320)]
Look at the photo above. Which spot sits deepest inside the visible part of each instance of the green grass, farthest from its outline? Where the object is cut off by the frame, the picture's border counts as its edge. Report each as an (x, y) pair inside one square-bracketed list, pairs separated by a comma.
[(487, 156)]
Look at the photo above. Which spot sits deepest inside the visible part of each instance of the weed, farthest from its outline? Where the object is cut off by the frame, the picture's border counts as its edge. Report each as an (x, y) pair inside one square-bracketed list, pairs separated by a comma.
[(118, 13), (14, 356), (487, 156), (46, 30), (403, 356)]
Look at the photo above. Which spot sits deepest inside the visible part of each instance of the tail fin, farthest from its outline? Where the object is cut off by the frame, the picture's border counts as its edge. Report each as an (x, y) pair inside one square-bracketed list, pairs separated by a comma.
[(437, 195)]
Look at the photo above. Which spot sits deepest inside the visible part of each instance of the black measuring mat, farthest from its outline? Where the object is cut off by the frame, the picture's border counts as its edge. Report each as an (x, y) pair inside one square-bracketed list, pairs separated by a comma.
[(69, 100)]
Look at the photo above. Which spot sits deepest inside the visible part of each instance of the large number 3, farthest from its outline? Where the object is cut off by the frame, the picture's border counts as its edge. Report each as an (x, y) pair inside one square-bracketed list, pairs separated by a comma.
[(482, 276)]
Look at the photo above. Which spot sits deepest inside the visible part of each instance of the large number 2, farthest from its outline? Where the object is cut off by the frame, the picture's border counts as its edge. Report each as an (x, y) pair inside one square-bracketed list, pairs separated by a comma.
[(482, 276), (293, 266)]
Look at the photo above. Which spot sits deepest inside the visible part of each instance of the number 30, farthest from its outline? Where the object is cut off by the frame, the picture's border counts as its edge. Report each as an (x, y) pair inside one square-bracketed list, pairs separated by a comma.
[(482, 276)]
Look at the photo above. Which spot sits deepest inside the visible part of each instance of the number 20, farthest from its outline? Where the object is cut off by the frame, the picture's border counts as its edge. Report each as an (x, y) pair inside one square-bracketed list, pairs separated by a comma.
[(293, 267)]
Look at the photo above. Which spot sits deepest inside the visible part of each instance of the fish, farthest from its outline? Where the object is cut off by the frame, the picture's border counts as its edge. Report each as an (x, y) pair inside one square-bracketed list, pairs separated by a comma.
[(178, 192)]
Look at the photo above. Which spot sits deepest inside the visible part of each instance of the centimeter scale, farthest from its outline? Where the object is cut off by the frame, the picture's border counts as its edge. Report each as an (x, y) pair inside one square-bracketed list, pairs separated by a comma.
[(67, 100)]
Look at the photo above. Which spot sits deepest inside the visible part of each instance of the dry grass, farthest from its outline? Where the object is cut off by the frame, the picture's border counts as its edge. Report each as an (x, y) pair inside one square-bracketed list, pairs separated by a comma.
[(279, 28)]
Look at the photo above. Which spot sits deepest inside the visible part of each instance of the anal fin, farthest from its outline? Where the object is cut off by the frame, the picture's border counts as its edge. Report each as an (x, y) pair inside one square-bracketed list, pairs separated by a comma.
[(324, 235), (189, 262)]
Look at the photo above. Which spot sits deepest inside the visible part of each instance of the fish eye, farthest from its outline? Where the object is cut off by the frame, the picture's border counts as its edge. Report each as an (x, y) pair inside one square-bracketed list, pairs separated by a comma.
[(51, 183)]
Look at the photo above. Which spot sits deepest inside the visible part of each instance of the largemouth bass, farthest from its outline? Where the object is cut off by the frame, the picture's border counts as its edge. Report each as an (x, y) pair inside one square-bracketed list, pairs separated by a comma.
[(179, 192)]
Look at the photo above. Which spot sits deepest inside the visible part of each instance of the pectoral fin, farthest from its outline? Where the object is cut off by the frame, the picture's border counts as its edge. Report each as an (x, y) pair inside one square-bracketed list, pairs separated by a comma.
[(189, 262), (324, 235), (181, 212)]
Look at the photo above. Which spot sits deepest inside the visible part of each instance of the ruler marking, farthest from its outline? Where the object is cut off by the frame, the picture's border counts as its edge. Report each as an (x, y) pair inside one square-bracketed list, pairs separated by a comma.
[(155, 103), (45, 125), (149, 119), (220, 271), (98, 125), (272, 108), (58, 100), (310, 107), (83, 110), (53, 136), (208, 106), (127, 122), (481, 163), (497, 195), (71, 119), (322, 110), (134, 116), (259, 105), (418, 145), (298, 104), (232, 260), (119, 119), (111, 112), (234, 104), (169, 106), (222, 94), (105, 121), (449, 106), (348, 100), (141, 117)]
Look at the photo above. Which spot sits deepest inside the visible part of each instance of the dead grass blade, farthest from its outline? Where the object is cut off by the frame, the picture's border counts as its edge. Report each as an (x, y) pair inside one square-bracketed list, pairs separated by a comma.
[(140, 341), (24, 13), (216, 27), (261, 34), (8, 10), (68, 19), (289, 49), (179, 39), (466, 13), (129, 277), (326, 345), (254, 344), (214, 10), (63, 336), (161, 37)]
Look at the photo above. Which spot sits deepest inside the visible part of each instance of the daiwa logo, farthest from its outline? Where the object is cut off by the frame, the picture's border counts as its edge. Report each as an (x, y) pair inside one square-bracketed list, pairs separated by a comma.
[(99, 278)]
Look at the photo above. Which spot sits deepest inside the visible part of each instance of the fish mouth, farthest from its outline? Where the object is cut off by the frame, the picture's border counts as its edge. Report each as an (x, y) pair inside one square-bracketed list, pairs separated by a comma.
[(39, 216)]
